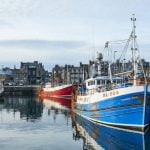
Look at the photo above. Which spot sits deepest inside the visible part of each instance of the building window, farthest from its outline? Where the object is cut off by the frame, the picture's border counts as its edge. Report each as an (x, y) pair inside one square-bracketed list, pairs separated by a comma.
[(33, 72)]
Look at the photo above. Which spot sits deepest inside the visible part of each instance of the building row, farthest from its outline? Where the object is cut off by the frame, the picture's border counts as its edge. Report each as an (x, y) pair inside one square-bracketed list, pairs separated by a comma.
[(29, 73), (77, 74), (33, 73)]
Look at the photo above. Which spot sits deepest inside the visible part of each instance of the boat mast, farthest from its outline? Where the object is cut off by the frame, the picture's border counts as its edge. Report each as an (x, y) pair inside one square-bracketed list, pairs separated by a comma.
[(134, 49), (109, 66), (67, 74)]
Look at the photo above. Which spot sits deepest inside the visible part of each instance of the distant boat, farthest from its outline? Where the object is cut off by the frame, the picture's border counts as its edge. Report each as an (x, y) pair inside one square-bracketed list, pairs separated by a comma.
[(116, 101), (63, 91)]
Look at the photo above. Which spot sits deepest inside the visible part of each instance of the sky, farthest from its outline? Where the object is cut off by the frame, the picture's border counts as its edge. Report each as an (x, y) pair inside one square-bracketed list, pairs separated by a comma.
[(68, 31)]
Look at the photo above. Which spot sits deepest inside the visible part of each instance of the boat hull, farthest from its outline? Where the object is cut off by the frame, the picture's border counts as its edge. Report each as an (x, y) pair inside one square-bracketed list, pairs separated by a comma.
[(131, 110), (58, 92)]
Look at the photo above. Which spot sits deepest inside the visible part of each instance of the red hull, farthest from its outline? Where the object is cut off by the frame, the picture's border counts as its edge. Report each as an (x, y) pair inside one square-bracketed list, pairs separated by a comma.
[(58, 92)]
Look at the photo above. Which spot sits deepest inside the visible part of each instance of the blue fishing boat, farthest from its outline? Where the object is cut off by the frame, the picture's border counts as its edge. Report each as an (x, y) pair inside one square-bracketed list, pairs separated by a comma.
[(118, 99)]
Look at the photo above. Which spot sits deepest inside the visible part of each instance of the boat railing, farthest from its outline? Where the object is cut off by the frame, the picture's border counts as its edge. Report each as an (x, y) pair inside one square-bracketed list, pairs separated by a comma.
[(139, 82), (104, 88)]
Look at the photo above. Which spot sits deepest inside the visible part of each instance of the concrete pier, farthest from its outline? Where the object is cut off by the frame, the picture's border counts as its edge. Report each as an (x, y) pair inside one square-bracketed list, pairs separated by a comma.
[(22, 90)]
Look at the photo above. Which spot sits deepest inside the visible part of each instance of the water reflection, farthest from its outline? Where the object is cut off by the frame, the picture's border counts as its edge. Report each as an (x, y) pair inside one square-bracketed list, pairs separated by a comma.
[(28, 123), (58, 103), (57, 106), (28, 107), (55, 120), (96, 136)]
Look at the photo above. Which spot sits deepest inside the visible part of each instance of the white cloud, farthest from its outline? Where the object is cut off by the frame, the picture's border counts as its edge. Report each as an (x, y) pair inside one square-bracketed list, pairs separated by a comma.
[(52, 52), (93, 22)]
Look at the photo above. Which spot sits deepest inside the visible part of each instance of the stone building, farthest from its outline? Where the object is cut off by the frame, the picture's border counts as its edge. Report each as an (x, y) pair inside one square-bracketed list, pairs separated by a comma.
[(20, 76), (7, 74), (128, 66), (30, 73), (146, 67), (77, 74), (66, 74)]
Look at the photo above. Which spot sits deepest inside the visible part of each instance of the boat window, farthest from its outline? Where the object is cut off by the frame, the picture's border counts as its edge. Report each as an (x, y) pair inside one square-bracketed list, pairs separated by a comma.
[(103, 82), (94, 82), (91, 83), (108, 82), (119, 81), (98, 82)]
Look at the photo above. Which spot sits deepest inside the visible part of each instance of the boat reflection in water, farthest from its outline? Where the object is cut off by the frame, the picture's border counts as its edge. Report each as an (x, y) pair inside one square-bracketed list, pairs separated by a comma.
[(57, 106), (97, 136), (60, 103)]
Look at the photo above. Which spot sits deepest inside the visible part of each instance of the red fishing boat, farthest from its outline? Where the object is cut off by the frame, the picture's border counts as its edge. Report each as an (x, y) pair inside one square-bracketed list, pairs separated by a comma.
[(63, 91)]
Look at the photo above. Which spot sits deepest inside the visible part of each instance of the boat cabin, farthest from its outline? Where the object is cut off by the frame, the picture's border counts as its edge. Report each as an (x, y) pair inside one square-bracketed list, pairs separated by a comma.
[(103, 83)]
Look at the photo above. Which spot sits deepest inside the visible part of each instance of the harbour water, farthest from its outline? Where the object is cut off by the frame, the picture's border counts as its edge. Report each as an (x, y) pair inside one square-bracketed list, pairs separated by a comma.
[(28, 123)]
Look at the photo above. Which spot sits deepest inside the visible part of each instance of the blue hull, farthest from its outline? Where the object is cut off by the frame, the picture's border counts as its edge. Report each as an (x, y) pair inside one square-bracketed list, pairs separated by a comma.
[(128, 111)]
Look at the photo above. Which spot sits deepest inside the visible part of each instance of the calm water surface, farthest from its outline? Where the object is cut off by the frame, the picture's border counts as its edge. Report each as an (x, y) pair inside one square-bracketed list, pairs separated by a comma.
[(27, 123)]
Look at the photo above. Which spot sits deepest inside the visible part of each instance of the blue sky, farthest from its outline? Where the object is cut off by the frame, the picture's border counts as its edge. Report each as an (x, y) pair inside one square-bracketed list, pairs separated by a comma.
[(67, 31)]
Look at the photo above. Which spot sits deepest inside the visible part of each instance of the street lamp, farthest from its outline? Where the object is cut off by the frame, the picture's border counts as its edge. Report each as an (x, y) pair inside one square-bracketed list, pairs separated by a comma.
[(114, 61), (124, 69), (115, 55)]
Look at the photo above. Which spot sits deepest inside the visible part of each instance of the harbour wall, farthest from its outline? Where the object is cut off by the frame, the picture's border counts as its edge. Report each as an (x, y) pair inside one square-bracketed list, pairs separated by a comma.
[(22, 90)]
